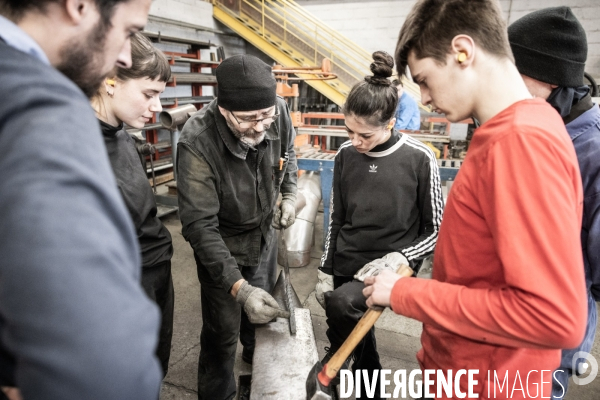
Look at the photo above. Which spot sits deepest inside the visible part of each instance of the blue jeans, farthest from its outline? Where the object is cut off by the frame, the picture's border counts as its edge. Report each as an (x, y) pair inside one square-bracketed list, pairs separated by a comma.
[(566, 360)]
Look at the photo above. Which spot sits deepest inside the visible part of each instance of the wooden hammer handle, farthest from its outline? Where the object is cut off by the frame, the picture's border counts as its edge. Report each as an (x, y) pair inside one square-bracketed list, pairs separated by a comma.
[(358, 333)]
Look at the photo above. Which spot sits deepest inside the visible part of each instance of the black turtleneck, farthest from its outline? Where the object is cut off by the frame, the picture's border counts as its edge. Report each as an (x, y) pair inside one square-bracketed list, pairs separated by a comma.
[(154, 238), (109, 130), (388, 143)]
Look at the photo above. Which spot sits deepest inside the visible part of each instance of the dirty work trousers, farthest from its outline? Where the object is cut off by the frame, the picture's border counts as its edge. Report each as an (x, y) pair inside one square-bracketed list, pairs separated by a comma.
[(157, 282), (345, 306), (223, 321)]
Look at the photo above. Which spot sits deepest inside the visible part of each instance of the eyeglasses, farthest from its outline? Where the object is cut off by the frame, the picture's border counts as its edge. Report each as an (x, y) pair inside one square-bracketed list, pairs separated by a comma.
[(252, 122)]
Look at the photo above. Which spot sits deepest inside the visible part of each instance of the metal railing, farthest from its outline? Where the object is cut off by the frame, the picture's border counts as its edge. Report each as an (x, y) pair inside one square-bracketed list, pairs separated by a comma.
[(299, 34)]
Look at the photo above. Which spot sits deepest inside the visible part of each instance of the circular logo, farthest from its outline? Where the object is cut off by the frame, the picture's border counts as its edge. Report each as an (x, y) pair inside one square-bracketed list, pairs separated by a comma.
[(590, 361)]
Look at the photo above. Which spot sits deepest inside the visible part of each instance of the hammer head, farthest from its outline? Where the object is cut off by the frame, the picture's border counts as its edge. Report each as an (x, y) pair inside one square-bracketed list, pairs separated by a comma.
[(315, 390)]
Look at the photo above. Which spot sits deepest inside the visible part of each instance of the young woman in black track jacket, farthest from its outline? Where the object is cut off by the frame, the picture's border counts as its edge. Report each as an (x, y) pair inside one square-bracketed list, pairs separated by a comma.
[(386, 208)]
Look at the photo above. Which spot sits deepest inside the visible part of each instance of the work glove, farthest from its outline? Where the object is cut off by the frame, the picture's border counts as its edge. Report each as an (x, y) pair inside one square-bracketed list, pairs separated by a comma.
[(324, 285), (260, 306), (390, 261), (285, 214)]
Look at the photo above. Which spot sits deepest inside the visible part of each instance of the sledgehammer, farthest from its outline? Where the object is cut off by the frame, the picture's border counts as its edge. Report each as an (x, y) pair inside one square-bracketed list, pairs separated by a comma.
[(319, 378)]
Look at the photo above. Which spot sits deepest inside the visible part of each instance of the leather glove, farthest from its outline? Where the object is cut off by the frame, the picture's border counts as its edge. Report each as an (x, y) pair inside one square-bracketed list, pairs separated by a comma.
[(324, 285), (285, 215), (260, 306), (390, 261)]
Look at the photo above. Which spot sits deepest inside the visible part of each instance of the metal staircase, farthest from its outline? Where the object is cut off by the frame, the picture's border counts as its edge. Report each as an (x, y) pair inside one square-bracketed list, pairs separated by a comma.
[(294, 38)]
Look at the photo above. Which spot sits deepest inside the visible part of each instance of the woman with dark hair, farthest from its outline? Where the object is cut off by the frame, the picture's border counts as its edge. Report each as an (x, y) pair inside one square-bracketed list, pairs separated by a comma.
[(386, 208), (131, 96)]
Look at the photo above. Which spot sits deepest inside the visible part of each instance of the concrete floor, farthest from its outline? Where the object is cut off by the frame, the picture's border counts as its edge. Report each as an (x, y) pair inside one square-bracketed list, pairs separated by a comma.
[(397, 337)]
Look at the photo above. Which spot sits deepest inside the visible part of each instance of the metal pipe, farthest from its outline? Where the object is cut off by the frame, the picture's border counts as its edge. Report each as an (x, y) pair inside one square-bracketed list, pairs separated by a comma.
[(174, 140), (174, 117), (299, 237), (193, 77), (153, 174)]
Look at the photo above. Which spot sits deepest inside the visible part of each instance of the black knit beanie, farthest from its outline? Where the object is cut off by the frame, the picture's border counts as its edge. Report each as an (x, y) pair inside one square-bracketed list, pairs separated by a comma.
[(245, 83), (550, 45)]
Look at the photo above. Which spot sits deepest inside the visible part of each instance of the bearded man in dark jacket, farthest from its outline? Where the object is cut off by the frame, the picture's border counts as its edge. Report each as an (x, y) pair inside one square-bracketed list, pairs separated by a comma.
[(234, 157)]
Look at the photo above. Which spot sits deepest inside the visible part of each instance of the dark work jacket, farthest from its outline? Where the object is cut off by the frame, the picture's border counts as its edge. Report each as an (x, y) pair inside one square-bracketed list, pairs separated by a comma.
[(155, 240), (227, 190), (585, 134)]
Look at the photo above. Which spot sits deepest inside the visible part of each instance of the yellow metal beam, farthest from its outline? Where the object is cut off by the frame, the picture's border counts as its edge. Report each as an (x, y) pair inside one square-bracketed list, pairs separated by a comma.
[(276, 54)]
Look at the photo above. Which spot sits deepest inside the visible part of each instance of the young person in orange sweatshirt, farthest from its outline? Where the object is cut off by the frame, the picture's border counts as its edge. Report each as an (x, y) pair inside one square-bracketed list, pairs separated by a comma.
[(508, 289)]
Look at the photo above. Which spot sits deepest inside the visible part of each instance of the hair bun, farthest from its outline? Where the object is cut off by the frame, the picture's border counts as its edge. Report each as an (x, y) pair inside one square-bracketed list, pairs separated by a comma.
[(382, 68)]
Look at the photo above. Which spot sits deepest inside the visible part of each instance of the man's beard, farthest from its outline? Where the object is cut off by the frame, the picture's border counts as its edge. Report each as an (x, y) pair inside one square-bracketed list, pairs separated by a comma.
[(250, 136), (82, 60)]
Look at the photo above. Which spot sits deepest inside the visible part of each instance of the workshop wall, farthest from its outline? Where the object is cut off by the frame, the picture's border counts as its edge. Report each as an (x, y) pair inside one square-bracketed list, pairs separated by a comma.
[(193, 19), (374, 25)]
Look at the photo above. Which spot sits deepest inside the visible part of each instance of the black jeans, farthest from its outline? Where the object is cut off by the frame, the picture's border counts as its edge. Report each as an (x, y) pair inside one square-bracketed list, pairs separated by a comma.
[(157, 282), (345, 306), (223, 321)]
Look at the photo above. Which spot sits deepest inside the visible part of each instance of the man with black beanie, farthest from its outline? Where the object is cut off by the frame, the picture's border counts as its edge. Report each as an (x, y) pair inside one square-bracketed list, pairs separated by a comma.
[(550, 51), (234, 157)]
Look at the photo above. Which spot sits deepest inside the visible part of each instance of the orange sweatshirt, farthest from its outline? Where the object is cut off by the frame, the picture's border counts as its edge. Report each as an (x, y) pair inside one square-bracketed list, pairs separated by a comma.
[(508, 287)]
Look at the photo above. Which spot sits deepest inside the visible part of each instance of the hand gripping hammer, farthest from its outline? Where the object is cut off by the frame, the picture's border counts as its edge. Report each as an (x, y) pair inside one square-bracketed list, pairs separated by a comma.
[(319, 378)]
